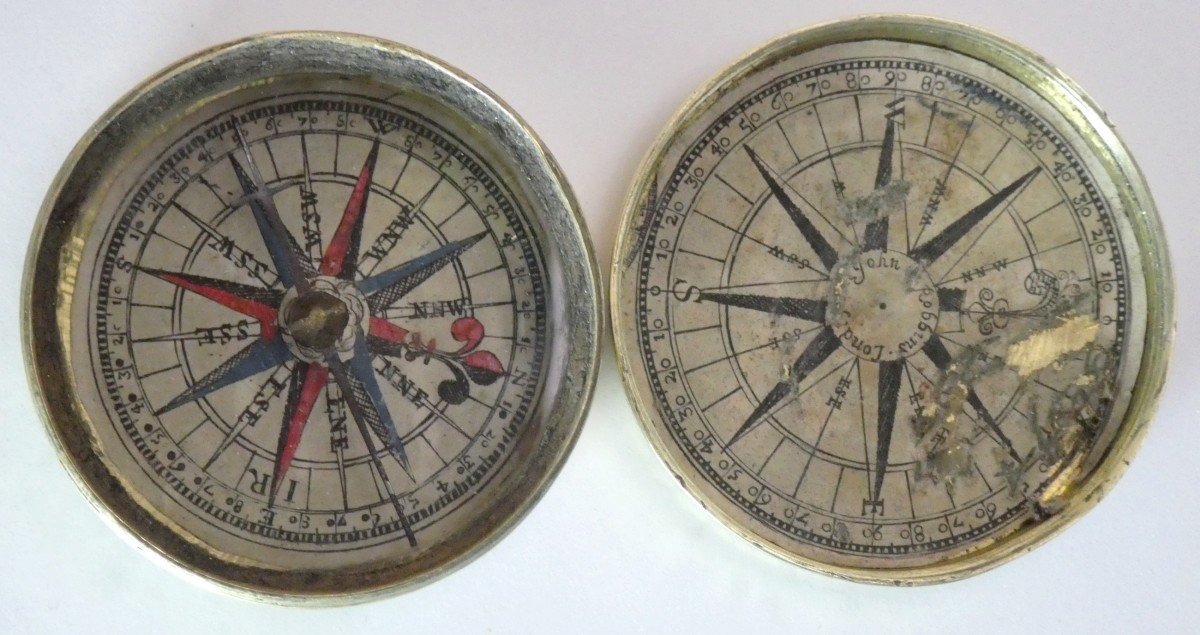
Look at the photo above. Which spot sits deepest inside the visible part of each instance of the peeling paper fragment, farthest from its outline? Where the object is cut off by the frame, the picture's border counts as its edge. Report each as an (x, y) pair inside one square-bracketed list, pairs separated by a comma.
[(1043, 348), (877, 204)]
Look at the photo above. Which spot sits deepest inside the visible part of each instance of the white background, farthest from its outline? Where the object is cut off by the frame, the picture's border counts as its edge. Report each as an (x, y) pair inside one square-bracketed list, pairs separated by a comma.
[(615, 545)]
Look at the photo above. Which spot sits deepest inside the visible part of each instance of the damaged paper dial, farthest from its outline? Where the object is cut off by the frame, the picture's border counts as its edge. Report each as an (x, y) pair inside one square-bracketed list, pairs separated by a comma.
[(888, 303), (317, 317)]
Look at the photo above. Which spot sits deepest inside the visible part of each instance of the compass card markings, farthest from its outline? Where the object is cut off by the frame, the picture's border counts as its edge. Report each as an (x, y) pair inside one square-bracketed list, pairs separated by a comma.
[(486, 271), (989, 426), (988, 168), (903, 178), (271, 157), (396, 229), (796, 194), (933, 110), (912, 510), (244, 521), (770, 456), (213, 189), (750, 285), (754, 240), (932, 205), (875, 235), (816, 241), (452, 215), (938, 245), (1053, 207), (698, 329), (829, 156), (230, 250), (787, 401), (187, 435), (1015, 260), (338, 440), (970, 247), (358, 414), (820, 435), (783, 133), (733, 189), (403, 168), (160, 371), (172, 241), (309, 212), (982, 477), (862, 135), (252, 413), (686, 251), (147, 305), (862, 414), (737, 354), (721, 398)]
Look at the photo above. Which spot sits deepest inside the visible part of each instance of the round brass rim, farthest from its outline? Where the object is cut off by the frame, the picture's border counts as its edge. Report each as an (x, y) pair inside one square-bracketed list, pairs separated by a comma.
[(65, 219), (1101, 139)]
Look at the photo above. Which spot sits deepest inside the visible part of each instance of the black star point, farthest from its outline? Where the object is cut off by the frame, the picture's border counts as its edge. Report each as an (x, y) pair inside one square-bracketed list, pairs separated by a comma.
[(826, 341), (353, 374)]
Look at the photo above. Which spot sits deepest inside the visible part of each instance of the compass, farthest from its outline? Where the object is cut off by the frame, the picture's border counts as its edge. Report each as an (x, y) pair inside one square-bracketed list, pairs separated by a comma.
[(312, 316), (892, 300)]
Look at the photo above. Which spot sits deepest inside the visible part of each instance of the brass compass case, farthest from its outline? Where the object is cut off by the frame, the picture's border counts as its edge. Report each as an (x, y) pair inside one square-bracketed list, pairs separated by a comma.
[(311, 316), (891, 299)]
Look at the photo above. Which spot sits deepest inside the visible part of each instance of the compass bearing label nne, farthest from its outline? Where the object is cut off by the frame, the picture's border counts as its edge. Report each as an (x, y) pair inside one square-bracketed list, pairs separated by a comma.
[(882, 300), (311, 323)]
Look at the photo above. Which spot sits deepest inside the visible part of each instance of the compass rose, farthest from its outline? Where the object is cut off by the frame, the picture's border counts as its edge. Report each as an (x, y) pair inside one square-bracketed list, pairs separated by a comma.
[(882, 305), (327, 321)]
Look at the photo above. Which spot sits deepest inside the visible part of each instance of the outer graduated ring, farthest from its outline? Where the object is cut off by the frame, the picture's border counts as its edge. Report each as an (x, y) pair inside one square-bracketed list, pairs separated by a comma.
[(1100, 139), (68, 215)]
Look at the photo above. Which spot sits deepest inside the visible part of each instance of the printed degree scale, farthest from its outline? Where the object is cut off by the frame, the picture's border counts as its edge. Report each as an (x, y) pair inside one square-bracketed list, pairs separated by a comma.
[(314, 317)]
